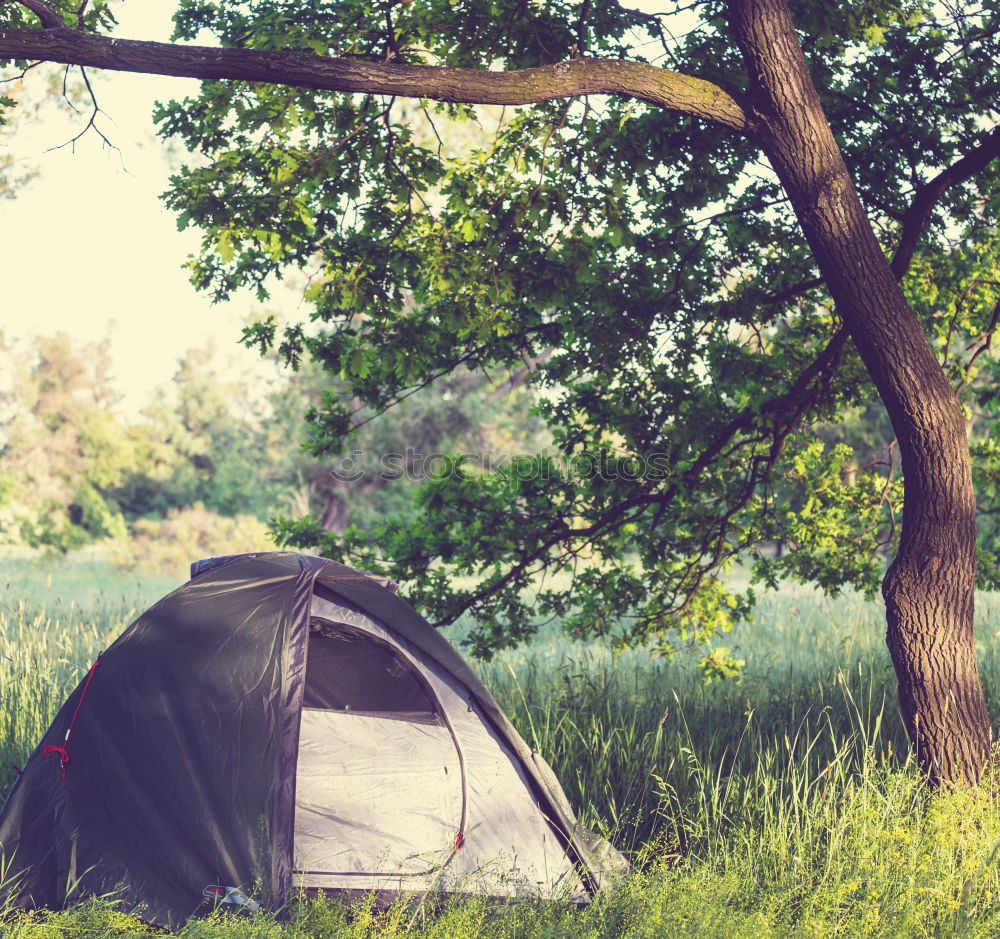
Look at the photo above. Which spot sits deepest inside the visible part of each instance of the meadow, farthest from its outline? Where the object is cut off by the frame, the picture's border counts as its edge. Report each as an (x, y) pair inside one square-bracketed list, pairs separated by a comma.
[(785, 804)]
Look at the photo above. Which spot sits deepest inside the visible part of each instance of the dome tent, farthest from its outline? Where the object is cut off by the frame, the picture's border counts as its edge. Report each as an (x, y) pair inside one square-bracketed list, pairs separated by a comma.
[(282, 721)]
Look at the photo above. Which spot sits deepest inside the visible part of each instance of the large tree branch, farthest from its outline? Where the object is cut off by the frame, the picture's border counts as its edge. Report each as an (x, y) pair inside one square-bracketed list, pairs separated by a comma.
[(670, 90), (49, 17), (918, 215)]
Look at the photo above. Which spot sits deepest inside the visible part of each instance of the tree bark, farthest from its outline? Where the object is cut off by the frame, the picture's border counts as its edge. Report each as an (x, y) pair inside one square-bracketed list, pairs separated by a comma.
[(661, 87), (929, 588)]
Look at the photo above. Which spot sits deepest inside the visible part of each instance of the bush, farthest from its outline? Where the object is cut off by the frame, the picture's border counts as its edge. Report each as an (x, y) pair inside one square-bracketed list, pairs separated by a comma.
[(168, 546)]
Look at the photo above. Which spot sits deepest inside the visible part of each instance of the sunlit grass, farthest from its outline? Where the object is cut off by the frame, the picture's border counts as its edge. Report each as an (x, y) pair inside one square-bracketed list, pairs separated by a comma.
[(785, 805)]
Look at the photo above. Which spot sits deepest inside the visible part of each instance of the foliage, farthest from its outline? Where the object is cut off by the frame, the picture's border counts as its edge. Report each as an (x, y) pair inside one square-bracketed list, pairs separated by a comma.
[(202, 439), (691, 365), (169, 545), (10, 184), (63, 447), (75, 471), (784, 806), (95, 17), (391, 456), (214, 451)]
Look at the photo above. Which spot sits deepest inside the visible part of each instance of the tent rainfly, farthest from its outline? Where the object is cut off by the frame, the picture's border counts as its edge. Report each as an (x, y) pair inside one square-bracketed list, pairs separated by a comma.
[(283, 722)]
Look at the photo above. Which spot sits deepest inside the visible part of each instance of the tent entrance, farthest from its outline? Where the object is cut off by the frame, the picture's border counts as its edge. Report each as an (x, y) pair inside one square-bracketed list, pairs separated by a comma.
[(380, 787)]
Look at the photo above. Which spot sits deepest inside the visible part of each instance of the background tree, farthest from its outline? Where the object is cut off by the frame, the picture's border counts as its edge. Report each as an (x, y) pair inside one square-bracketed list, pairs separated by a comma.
[(202, 439), (64, 449), (209, 448), (693, 247), (390, 457)]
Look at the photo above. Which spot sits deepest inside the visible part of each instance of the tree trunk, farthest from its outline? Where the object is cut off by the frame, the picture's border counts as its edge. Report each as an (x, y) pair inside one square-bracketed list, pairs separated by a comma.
[(929, 588)]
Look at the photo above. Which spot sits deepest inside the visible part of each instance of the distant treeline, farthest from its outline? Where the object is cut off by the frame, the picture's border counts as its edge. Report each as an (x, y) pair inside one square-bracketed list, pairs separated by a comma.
[(210, 460)]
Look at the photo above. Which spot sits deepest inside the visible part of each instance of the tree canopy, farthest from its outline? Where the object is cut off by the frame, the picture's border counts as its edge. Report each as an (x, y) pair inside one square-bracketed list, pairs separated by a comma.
[(694, 345), (683, 237)]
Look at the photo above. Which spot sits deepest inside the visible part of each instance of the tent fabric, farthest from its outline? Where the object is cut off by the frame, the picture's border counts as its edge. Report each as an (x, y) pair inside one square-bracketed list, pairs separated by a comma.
[(172, 778), (186, 753), (604, 865), (385, 800), (511, 845)]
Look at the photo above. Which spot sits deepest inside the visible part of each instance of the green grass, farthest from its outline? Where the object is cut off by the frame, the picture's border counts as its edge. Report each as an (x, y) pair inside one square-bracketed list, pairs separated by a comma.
[(786, 805)]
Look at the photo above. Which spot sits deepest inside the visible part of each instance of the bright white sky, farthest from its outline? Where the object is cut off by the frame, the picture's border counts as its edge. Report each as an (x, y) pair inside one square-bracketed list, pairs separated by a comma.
[(89, 248)]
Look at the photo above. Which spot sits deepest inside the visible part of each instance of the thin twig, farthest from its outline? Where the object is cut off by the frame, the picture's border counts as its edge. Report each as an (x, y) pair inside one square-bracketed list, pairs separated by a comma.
[(65, 93), (984, 347), (20, 78), (92, 121)]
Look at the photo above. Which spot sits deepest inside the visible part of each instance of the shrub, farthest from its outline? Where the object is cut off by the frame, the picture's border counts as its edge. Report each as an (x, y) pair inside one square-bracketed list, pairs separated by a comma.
[(169, 545)]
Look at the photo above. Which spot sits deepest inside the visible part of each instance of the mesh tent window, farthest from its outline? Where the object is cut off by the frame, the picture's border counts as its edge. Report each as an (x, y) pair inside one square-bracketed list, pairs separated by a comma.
[(349, 671)]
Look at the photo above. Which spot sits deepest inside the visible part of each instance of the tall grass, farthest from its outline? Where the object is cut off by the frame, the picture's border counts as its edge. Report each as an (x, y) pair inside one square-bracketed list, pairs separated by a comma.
[(56, 615), (785, 805), (650, 753)]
